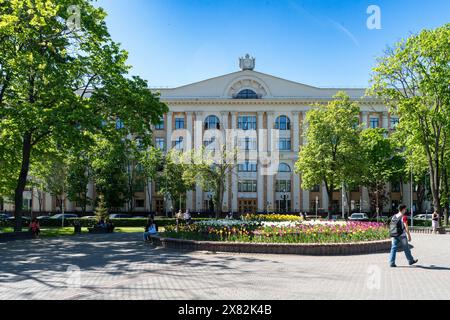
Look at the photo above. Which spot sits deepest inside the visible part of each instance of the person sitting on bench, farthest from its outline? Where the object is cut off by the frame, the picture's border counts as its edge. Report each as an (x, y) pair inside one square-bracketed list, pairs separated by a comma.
[(150, 229)]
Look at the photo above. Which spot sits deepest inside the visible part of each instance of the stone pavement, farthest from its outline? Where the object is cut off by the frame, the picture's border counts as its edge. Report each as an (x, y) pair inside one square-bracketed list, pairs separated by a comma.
[(121, 266)]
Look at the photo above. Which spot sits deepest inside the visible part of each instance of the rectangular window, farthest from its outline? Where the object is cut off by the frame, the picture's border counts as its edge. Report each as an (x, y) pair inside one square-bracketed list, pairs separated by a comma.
[(374, 122), (247, 186), (247, 122), (248, 167), (395, 187), (315, 189), (284, 144), (140, 203), (394, 122), (179, 145), (160, 143), (179, 123), (247, 144), (283, 186), (160, 125), (139, 186)]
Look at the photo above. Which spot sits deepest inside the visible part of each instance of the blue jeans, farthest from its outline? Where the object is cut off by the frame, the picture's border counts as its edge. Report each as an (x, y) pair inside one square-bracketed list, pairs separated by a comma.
[(404, 242)]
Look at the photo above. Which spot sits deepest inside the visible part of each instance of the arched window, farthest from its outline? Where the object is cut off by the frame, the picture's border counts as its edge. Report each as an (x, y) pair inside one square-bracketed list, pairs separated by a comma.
[(283, 167), (247, 94), (283, 123), (212, 122)]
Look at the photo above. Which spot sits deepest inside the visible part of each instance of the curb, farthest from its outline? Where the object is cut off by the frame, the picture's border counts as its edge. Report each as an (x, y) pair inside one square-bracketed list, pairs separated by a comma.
[(329, 249)]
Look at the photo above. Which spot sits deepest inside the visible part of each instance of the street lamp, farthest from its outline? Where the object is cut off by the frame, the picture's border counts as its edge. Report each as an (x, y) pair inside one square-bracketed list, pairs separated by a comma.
[(285, 196), (317, 205)]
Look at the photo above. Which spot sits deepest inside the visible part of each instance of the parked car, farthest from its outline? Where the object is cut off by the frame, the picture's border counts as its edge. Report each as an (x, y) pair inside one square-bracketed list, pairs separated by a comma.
[(65, 215), (423, 217), (89, 217), (139, 217), (43, 218), (359, 217), (120, 216), (4, 216)]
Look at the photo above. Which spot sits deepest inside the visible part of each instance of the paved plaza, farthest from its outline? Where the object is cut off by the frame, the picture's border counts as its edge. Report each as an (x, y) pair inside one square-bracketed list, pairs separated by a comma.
[(121, 266)]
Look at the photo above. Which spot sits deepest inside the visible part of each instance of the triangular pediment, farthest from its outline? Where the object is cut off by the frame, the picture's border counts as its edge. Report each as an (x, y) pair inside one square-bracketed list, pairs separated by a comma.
[(265, 85)]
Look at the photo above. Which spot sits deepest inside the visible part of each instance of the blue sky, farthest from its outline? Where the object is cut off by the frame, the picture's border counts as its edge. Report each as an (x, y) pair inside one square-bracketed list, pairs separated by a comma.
[(318, 42)]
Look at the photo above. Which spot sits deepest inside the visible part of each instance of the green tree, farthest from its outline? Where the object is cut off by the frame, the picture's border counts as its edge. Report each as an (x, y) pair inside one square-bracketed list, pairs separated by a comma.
[(380, 164), (211, 168), (413, 79), (331, 153), (101, 211), (109, 171), (152, 162), (79, 175), (58, 83), (171, 181)]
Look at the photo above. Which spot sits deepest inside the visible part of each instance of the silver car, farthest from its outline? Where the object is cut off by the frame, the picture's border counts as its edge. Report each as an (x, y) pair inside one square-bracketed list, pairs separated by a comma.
[(359, 217)]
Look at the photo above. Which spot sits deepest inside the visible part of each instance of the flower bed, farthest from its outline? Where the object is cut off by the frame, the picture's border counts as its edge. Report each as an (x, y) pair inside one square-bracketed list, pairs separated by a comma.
[(271, 217), (279, 232)]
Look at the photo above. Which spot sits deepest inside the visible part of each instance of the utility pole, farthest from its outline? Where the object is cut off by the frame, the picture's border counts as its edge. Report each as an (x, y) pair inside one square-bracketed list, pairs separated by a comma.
[(343, 201)]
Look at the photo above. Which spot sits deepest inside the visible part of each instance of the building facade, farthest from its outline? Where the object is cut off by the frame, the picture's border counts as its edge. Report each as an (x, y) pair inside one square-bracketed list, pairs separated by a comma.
[(249, 100), (255, 103)]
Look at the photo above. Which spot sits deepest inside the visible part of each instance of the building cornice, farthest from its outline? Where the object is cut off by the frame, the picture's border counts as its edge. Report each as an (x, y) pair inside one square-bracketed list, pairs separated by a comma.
[(262, 101)]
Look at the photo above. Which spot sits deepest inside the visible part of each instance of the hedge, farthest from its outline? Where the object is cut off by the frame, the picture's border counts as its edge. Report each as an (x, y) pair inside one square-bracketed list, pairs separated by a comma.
[(90, 222)]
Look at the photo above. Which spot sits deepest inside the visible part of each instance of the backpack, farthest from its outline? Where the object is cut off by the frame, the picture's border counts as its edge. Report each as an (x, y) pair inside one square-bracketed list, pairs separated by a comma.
[(395, 227)]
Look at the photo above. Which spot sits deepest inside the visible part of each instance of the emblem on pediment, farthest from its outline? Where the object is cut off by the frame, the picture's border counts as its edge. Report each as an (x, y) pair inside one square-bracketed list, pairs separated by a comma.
[(247, 63)]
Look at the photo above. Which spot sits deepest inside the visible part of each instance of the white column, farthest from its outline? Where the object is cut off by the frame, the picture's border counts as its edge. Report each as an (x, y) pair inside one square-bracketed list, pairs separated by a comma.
[(169, 130), (223, 129), (270, 148), (304, 127), (198, 142), (365, 205), (234, 176), (296, 148), (305, 200), (148, 196), (365, 119), (48, 202), (385, 121), (325, 200), (261, 148), (188, 144), (90, 195)]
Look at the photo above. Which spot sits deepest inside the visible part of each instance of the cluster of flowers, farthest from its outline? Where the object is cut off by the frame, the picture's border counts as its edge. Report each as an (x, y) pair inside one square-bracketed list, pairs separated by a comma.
[(271, 217), (281, 232), (331, 232)]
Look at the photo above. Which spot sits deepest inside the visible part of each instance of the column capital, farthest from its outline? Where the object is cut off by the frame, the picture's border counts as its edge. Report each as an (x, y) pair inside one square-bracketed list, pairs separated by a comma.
[(296, 113)]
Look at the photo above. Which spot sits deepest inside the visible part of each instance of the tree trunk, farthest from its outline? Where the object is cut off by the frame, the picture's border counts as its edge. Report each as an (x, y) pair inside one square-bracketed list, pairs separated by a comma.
[(330, 203), (22, 181)]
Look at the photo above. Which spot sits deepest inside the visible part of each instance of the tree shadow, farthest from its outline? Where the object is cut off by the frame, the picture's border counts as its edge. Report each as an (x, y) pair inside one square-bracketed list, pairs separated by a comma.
[(111, 254)]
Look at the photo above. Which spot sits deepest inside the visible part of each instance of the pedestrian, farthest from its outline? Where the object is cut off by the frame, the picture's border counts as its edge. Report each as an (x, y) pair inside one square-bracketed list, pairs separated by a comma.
[(35, 228), (435, 222), (400, 234)]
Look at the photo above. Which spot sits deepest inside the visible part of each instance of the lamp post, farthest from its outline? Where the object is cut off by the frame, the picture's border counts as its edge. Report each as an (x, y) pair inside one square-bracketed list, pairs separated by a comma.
[(285, 200), (412, 203), (317, 205)]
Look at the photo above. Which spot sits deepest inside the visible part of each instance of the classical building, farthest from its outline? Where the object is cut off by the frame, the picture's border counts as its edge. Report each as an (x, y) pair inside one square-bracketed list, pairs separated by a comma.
[(251, 100), (255, 103)]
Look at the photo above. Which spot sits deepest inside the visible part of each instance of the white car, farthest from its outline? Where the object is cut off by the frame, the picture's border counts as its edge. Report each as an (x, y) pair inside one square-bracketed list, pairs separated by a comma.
[(359, 217), (423, 217)]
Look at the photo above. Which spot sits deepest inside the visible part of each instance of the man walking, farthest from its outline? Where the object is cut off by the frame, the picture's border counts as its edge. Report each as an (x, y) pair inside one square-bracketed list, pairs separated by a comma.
[(399, 232)]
